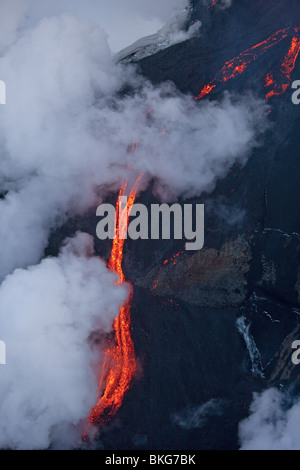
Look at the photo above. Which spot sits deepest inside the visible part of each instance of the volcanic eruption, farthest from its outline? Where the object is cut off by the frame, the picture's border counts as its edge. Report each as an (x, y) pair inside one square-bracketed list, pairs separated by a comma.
[(201, 115), (239, 64), (120, 364)]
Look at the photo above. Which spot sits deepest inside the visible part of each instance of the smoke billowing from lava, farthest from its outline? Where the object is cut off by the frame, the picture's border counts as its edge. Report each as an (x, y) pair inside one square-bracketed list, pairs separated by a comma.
[(64, 135), (47, 313), (124, 22)]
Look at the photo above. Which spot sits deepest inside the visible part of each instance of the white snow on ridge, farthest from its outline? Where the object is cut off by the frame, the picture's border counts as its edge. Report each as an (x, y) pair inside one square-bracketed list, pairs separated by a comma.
[(172, 33)]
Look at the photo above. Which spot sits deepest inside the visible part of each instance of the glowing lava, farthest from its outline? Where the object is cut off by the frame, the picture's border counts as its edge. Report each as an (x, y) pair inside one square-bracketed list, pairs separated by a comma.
[(239, 64), (173, 258), (119, 364), (280, 86)]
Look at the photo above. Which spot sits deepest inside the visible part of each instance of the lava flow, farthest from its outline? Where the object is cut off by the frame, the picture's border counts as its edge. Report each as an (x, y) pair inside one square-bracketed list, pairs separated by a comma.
[(239, 64), (279, 87), (119, 364)]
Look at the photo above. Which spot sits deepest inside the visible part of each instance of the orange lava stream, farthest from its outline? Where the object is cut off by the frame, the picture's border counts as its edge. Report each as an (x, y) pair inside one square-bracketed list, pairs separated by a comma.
[(119, 364), (238, 64), (286, 69)]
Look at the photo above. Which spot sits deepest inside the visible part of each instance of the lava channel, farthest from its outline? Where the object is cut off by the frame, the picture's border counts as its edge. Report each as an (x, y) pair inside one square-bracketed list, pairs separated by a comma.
[(119, 365), (239, 64), (278, 87)]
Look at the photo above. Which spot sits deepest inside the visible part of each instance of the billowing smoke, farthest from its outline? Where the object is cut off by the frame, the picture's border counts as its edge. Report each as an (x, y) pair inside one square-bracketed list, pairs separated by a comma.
[(64, 131), (47, 313), (273, 423), (11, 19), (123, 21), (64, 138)]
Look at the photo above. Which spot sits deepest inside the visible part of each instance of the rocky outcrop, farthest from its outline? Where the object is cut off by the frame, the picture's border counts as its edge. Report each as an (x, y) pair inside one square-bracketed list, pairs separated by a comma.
[(222, 278), (210, 277), (284, 370), (276, 257)]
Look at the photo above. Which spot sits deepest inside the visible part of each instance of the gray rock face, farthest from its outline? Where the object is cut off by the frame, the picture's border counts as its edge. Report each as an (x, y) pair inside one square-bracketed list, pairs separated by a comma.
[(174, 32), (208, 278), (222, 278)]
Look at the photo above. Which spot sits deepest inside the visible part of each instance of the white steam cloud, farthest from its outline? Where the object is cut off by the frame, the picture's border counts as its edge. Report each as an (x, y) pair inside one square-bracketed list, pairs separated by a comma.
[(63, 132), (64, 138), (11, 19), (124, 21), (46, 315), (271, 425)]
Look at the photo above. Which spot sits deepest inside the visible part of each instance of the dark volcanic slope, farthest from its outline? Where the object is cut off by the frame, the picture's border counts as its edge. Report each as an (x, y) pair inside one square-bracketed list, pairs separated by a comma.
[(224, 34), (184, 315)]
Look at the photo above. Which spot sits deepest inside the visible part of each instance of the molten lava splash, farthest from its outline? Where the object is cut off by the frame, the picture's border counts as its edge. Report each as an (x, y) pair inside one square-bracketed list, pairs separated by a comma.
[(280, 86), (119, 364), (238, 64)]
